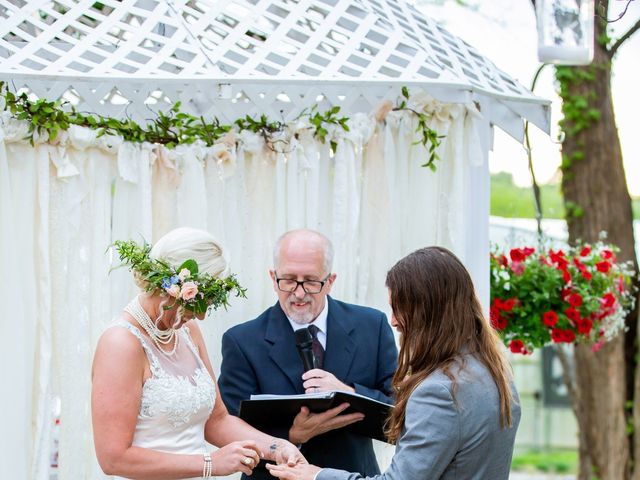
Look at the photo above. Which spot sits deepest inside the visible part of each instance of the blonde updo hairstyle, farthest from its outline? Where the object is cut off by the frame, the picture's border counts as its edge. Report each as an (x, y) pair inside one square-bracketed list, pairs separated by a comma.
[(186, 243)]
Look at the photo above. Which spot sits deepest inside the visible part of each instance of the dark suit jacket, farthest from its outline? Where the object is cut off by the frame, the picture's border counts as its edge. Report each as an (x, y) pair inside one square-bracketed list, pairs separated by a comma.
[(260, 357)]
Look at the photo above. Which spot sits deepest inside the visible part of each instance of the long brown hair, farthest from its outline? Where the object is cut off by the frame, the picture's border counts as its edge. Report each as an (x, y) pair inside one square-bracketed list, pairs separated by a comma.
[(435, 304)]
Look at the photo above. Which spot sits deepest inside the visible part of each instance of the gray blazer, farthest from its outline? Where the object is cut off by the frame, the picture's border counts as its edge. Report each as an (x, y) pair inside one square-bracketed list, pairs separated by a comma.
[(446, 439)]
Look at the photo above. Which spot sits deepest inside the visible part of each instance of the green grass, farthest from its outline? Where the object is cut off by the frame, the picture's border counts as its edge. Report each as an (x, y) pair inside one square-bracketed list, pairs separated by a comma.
[(510, 201), (553, 461)]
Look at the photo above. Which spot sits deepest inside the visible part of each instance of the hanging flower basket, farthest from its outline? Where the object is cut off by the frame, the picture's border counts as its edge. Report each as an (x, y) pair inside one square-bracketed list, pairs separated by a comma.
[(579, 295)]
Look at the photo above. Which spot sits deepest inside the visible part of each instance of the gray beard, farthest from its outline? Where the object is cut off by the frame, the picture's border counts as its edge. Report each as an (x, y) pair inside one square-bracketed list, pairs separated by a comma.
[(305, 320)]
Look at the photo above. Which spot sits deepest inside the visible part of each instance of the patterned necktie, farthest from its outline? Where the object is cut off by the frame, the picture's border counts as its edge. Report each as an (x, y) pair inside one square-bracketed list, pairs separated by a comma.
[(316, 346)]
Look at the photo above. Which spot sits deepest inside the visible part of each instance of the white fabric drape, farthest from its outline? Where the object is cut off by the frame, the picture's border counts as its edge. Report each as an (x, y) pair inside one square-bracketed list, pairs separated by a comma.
[(63, 204)]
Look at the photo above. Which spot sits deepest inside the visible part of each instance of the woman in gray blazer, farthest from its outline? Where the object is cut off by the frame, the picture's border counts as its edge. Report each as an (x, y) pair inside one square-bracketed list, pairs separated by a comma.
[(456, 410)]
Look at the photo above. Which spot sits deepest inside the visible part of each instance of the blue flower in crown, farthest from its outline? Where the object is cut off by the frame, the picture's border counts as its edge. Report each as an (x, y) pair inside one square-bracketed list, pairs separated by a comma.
[(166, 283)]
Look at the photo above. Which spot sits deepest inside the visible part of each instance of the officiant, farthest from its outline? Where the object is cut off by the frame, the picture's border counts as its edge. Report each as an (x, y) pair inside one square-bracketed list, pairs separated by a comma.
[(353, 349)]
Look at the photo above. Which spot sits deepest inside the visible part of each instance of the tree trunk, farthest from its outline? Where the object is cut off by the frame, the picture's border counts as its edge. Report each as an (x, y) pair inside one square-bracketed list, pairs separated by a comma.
[(596, 199), (601, 411)]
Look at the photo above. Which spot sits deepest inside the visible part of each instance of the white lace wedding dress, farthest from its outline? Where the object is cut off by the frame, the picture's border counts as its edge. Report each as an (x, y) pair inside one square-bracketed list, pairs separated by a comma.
[(176, 400)]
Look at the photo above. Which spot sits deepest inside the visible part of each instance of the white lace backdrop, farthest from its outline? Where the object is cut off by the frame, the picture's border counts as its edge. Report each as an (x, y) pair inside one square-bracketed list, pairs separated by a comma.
[(62, 205)]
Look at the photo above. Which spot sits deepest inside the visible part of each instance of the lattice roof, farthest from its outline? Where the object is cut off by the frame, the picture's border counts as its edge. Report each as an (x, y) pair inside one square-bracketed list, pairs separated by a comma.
[(175, 49)]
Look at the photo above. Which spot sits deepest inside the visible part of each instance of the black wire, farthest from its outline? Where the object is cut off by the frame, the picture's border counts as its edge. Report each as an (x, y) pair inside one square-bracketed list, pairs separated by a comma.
[(619, 17), (534, 183)]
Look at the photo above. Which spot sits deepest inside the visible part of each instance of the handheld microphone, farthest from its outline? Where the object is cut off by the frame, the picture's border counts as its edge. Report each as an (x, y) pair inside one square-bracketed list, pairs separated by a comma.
[(304, 342)]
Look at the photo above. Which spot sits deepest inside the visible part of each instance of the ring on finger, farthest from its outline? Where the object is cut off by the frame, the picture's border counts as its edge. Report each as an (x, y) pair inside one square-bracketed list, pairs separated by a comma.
[(247, 461)]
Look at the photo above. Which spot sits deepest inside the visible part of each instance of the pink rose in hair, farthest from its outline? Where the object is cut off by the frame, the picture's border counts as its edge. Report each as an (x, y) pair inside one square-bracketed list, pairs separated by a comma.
[(184, 273), (174, 291), (189, 290)]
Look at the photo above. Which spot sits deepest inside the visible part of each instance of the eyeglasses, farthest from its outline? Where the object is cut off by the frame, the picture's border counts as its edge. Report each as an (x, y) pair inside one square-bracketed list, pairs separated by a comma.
[(289, 285)]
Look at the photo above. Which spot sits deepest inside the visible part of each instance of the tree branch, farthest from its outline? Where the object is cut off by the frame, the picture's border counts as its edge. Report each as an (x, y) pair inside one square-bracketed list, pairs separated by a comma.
[(614, 48)]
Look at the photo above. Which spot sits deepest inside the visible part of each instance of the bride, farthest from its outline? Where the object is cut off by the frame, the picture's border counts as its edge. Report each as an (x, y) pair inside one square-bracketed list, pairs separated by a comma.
[(155, 400)]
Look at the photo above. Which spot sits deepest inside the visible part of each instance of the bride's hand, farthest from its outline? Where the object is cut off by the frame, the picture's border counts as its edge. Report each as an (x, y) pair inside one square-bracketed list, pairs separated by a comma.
[(241, 456)]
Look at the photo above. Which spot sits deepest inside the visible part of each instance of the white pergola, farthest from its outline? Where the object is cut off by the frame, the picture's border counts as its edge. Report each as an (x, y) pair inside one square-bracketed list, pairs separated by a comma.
[(62, 203), (232, 58)]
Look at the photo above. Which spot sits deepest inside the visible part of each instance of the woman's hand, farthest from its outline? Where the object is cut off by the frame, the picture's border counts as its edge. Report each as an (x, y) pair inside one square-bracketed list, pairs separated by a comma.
[(241, 456), (284, 452), (297, 472)]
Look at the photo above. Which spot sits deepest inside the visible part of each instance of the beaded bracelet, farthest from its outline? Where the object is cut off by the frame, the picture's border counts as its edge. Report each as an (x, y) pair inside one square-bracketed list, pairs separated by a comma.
[(207, 469)]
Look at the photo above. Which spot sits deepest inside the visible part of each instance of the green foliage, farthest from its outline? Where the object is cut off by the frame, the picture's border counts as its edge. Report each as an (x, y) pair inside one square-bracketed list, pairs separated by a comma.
[(604, 40), (547, 461), (510, 201), (170, 129), (429, 138), (176, 127), (573, 210), (185, 285), (262, 126), (578, 115), (330, 117)]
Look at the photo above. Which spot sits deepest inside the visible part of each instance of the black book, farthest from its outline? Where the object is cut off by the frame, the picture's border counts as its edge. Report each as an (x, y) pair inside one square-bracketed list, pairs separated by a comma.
[(264, 411)]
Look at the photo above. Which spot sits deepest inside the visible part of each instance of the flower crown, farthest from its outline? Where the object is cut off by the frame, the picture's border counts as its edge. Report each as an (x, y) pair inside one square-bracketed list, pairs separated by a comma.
[(192, 290)]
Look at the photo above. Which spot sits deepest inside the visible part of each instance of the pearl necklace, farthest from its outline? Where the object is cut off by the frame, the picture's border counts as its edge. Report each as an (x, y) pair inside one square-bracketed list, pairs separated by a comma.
[(157, 335)]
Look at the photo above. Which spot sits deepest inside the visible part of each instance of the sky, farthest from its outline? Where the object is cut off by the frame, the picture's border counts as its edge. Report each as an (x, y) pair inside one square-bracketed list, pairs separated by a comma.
[(505, 32)]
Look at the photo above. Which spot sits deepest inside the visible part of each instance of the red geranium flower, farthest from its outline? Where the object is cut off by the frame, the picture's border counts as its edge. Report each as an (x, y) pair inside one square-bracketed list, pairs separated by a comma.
[(526, 251), (517, 267), (516, 255), (603, 266), (497, 321), (557, 335), (558, 258), (586, 275), (586, 250), (608, 300), (516, 345), (569, 336), (508, 304), (572, 314), (607, 254), (575, 300), (566, 276), (550, 318), (584, 325), (503, 261)]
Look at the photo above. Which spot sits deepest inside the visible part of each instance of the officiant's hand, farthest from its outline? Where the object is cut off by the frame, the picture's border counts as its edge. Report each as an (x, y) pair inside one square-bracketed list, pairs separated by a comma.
[(307, 425), (318, 380)]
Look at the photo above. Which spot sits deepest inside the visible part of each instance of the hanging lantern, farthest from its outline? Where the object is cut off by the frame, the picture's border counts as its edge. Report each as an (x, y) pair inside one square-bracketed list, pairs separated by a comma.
[(565, 31)]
